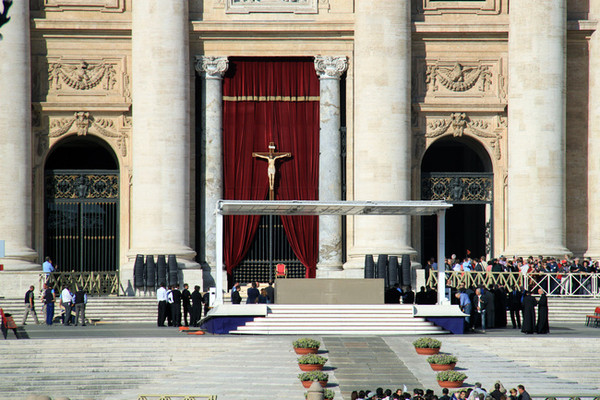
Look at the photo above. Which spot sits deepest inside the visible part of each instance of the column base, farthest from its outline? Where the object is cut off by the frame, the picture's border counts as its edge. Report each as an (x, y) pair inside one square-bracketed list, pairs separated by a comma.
[(21, 262)]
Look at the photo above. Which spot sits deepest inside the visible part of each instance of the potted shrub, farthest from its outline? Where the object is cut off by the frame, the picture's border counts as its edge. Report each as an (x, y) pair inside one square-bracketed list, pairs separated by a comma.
[(306, 346), (307, 378), (427, 346), (450, 379), (442, 362), (328, 394), (311, 362)]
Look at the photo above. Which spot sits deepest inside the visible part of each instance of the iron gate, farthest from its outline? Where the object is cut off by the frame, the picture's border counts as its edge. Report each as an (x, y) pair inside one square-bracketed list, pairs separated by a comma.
[(82, 220), (255, 266)]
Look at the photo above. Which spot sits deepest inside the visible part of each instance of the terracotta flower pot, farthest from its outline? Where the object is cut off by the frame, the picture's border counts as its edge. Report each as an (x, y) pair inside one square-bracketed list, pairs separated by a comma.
[(448, 384), (302, 350), (307, 384), (442, 367), (311, 367), (427, 351)]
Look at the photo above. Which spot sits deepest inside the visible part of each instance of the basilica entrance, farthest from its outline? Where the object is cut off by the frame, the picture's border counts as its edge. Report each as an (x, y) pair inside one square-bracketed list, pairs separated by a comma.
[(82, 214), (459, 172)]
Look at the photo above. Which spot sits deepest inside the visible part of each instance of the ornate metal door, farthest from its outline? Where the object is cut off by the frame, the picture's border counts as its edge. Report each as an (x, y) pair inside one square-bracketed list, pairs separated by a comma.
[(82, 220)]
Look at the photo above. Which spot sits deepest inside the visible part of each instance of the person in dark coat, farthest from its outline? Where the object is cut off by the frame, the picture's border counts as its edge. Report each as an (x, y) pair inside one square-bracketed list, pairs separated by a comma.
[(528, 313), (409, 296), (186, 296), (196, 306), (206, 302), (514, 305), (253, 294), (421, 297), (490, 312), (542, 322), (236, 297), (500, 303), (392, 295)]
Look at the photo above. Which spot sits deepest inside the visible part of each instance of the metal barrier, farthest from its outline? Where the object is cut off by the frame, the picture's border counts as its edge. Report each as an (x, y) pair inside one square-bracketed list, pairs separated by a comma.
[(176, 397), (553, 284), (94, 283)]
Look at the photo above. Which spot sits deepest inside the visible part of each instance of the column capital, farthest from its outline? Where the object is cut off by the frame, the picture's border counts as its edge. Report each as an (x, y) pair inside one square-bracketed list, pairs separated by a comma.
[(213, 67), (330, 67)]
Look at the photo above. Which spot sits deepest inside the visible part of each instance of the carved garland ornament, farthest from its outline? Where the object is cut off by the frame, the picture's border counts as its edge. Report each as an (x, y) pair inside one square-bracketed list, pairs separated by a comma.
[(82, 121), (459, 123), (82, 76), (459, 78)]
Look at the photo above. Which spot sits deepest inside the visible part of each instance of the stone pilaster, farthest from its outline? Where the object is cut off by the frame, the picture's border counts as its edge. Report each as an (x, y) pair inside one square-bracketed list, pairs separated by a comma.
[(536, 132), (382, 131), (160, 193), (212, 69), (15, 152), (330, 69), (594, 140)]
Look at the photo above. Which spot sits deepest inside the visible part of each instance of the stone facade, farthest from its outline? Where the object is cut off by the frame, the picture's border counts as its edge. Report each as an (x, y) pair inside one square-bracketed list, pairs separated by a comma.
[(524, 89)]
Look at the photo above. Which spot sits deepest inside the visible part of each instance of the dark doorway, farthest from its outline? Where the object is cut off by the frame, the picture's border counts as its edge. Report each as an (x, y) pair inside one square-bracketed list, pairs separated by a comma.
[(458, 171), (81, 217)]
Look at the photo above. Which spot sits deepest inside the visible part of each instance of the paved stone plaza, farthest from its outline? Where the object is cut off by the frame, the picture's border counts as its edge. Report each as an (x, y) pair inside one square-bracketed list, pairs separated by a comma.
[(123, 361)]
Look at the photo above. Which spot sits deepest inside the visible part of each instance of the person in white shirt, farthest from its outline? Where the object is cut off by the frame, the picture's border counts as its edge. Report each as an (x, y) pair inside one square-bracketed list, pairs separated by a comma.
[(161, 297), (66, 299)]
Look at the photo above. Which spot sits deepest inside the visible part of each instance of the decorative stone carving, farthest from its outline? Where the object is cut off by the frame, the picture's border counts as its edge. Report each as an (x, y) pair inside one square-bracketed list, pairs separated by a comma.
[(85, 5), (481, 7), (459, 78), (459, 124), (273, 6), (329, 67), (212, 67), (82, 122), (82, 76)]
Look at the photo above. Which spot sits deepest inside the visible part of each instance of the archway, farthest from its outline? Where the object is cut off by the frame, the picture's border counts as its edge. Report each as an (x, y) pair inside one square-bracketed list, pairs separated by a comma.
[(81, 217), (459, 171)]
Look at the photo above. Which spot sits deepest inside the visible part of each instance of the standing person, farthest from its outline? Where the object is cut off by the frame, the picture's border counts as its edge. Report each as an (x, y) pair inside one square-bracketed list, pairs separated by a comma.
[(206, 302), (47, 267), (236, 297), (523, 395), (481, 308), (49, 299), (30, 306), (161, 297), (174, 299), (465, 306), (253, 294), (490, 312), (271, 292), (196, 306), (66, 298), (542, 321), (514, 305), (185, 301), (528, 313), (80, 300)]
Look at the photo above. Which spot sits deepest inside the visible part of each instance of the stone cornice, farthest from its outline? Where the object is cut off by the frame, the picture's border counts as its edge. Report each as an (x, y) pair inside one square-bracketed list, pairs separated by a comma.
[(331, 67)]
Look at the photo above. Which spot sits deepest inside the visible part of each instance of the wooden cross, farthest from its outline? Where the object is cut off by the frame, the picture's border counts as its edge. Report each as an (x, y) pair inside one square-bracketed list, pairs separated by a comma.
[(271, 157)]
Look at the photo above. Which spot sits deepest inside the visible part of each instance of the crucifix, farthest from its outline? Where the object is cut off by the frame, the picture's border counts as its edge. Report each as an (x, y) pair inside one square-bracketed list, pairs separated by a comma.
[(271, 157)]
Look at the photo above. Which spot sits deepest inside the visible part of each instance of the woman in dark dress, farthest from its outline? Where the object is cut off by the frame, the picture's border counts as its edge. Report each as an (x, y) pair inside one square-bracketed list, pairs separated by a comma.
[(542, 323), (529, 302)]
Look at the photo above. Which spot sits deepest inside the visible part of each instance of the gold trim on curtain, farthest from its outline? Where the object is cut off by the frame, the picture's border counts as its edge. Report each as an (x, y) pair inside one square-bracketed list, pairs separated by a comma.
[(271, 98)]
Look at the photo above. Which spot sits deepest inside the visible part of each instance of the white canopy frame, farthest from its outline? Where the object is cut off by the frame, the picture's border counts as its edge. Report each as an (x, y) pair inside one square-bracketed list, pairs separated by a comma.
[(304, 207)]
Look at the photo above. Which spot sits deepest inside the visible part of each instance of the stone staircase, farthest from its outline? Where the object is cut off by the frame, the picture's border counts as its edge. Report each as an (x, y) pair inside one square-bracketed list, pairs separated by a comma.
[(570, 310), (337, 319)]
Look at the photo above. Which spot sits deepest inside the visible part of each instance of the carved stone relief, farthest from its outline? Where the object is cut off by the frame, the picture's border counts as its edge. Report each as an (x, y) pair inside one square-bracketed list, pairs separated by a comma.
[(489, 130), (106, 79), (482, 7), (437, 81)]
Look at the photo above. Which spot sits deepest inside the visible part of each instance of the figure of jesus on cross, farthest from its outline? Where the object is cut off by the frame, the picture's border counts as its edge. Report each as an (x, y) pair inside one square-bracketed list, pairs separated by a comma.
[(271, 157)]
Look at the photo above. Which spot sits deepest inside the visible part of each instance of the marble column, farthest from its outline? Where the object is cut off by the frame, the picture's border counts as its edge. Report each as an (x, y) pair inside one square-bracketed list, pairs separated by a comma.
[(330, 69), (160, 192), (15, 152), (382, 129), (536, 131), (594, 139), (212, 69)]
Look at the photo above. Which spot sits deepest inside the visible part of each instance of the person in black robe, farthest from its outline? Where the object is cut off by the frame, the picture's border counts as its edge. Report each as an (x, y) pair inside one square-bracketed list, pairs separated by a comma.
[(490, 312), (500, 303), (528, 313), (196, 306), (392, 295), (542, 322), (514, 305)]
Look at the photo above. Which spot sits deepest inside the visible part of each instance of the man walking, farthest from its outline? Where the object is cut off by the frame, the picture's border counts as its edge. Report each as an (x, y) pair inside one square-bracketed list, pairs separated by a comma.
[(80, 302), (30, 306)]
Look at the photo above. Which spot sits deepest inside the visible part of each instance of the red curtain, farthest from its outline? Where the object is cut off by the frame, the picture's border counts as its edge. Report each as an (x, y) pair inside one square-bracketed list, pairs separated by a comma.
[(271, 100)]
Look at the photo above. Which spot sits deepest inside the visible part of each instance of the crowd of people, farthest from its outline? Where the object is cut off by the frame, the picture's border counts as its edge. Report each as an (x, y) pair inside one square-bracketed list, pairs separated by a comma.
[(475, 393), (172, 301), (69, 302)]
